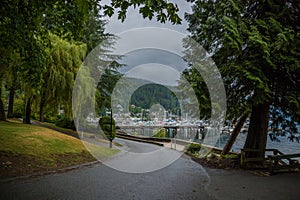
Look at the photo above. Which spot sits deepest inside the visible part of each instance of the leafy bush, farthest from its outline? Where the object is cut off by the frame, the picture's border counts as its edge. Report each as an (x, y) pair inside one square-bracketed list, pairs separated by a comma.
[(18, 108), (105, 124), (194, 148), (64, 122), (161, 133)]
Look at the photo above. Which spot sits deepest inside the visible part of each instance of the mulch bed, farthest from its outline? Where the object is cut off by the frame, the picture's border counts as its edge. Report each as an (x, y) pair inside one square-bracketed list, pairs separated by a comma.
[(217, 163)]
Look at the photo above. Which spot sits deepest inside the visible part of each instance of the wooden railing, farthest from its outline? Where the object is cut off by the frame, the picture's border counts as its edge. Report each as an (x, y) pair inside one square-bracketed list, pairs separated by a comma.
[(278, 162), (245, 159)]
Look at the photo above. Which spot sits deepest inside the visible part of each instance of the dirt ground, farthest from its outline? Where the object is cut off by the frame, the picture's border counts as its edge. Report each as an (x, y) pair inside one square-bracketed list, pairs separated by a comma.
[(14, 165)]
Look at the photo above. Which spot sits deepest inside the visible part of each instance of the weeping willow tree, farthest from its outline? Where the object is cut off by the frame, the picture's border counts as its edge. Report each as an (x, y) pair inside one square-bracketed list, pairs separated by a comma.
[(94, 82), (13, 82), (24, 27), (65, 58)]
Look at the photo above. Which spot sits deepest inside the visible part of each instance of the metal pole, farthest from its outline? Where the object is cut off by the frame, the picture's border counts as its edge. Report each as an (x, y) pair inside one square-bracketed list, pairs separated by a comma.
[(111, 129)]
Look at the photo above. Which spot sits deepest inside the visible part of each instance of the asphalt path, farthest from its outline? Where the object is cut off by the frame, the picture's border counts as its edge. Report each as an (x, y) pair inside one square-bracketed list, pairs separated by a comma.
[(136, 157), (136, 147), (183, 179)]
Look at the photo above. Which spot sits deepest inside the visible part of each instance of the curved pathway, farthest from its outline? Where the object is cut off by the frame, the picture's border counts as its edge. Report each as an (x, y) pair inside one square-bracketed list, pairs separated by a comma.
[(183, 179)]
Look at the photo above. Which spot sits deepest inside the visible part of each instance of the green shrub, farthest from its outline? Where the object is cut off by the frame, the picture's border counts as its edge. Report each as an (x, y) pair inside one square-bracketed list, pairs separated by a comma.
[(161, 133), (105, 124), (229, 156), (64, 122), (18, 108), (194, 148)]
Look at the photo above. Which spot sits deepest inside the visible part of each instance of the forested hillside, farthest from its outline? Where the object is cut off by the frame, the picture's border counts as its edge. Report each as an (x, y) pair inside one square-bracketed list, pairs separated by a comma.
[(150, 94)]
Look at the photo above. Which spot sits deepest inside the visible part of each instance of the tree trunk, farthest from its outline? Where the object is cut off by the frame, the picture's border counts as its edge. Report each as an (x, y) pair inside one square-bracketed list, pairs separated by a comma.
[(11, 103), (26, 119), (2, 112), (235, 133), (42, 112), (42, 105), (257, 133)]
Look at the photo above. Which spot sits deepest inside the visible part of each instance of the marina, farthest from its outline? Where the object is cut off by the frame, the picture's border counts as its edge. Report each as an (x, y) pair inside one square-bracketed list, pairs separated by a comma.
[(200, 131), (213, 137)]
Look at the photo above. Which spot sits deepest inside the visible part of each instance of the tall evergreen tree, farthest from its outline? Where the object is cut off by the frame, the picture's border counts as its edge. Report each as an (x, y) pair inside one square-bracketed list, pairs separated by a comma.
[(255, 44), (201, 91)]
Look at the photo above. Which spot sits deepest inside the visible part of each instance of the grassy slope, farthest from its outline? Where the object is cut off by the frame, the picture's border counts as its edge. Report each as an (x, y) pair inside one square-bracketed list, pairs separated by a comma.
[(28, 149), (53, 126)]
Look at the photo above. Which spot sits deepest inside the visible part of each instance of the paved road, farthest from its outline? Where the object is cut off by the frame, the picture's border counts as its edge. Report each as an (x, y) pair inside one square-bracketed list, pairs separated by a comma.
[(183, 179)]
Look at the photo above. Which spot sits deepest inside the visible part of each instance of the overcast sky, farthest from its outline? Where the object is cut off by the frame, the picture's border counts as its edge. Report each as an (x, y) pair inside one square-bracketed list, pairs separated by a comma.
[(151, 64), (135, 20)]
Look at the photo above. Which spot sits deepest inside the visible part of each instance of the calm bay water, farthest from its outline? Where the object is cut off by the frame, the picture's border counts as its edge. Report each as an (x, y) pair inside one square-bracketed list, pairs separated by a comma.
[(284, 144)]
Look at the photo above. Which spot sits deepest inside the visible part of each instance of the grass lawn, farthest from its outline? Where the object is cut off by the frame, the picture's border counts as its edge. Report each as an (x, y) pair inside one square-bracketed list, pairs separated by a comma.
[(26, 149), (76, 134), (53, 126)]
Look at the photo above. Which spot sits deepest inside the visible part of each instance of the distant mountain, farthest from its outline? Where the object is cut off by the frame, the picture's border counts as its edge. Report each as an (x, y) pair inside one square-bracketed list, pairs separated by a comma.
[(151, 93)]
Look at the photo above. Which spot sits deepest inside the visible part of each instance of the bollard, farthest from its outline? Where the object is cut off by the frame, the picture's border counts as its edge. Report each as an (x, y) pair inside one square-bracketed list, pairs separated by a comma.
[(175, 144), (110, 142)]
